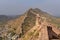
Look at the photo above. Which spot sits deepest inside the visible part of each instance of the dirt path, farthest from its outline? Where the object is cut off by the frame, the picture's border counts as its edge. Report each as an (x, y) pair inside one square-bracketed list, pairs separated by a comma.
[(35, 29)]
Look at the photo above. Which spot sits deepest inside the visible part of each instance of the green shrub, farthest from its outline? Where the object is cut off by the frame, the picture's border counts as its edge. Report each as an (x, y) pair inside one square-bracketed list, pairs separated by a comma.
[(29, 22), (1, 38)]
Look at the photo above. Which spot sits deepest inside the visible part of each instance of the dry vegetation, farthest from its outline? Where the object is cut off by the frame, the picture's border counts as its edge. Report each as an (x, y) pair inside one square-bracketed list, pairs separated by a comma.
[(25, 24)]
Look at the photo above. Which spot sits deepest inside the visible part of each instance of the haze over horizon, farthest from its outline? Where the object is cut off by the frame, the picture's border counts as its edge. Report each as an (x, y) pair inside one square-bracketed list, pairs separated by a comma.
[(16, 7)]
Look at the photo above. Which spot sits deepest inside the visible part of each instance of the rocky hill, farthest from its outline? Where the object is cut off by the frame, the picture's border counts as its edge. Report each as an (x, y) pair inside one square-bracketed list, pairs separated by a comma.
[(5, 18), (27, 25)]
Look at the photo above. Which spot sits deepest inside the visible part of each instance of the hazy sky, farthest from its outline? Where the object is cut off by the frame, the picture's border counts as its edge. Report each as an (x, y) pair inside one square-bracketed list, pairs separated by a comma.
[(15, 7)]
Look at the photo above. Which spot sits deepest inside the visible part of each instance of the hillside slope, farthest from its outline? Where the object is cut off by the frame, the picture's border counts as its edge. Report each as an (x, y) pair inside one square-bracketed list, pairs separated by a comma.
[(27, 20), (27, 25)]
